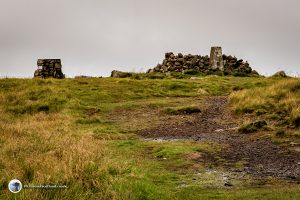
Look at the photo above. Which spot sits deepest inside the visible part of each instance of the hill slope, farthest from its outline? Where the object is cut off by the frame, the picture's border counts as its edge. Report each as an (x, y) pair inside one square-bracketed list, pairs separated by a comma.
[(89, 134)]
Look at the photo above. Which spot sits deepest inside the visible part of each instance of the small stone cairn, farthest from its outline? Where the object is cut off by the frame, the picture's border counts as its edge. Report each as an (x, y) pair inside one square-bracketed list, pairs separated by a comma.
[(49, 68)]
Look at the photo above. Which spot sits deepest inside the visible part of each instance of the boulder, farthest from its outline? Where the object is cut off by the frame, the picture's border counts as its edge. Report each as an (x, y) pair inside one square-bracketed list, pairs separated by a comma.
[(280, 74), (120, 74)]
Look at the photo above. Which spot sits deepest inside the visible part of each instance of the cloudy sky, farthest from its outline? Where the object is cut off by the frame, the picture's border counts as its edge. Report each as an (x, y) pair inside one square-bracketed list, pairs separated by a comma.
[(93, 37)]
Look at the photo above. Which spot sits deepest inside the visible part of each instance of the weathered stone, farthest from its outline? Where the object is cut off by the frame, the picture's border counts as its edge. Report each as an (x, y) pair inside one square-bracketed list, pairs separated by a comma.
[(115, 73), (181, 60), (216, 58), (50, 68), (150, 71), (167, 55), (120, 74), (177, 63), (57, 65), (194, 61), (40, 62), (164, 68)]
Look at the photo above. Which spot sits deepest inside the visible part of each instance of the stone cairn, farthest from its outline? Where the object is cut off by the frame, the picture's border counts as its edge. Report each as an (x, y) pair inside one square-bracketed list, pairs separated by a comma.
[(49, 68), (217, 61)]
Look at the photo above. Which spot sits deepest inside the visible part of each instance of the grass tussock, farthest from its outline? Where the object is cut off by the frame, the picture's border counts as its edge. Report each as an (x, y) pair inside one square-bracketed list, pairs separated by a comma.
[(280, 101), (182, 110), (253, 127)]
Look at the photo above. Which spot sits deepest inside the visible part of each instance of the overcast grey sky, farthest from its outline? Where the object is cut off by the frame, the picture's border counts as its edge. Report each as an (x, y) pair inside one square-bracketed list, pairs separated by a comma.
[(93, 37)]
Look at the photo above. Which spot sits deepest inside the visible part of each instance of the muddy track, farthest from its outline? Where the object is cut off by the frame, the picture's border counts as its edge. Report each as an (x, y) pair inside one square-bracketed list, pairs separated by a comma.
[(218, 124)]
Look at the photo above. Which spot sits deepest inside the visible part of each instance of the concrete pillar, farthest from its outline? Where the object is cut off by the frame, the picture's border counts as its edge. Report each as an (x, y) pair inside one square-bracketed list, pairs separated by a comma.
[(216, 58)]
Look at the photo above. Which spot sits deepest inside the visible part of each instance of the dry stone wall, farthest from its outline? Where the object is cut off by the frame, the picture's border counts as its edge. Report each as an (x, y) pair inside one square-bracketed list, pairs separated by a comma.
[(49, 68), (229, 65)]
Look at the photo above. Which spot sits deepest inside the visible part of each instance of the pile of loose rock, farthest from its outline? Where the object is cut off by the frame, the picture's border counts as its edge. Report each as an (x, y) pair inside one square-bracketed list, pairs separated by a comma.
[(185, 63), (49, 68)]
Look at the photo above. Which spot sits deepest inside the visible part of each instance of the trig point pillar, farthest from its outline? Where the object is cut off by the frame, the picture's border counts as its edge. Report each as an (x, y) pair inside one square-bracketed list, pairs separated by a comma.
[(216, 58)]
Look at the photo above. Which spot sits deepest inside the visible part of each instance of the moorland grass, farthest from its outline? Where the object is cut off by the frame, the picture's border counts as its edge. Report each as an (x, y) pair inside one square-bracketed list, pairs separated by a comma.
[(280, 101), (81, 133)]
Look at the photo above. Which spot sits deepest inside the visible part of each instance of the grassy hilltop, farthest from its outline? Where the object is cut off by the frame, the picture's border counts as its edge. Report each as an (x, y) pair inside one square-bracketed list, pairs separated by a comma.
[(82, 133)]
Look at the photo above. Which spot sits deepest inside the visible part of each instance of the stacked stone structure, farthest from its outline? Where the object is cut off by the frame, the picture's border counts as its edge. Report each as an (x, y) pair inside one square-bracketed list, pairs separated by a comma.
[(228, 65), (49, 68)]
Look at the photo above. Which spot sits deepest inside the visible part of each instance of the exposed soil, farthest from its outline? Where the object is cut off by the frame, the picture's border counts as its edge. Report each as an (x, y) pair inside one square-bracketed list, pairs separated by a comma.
[(218, 124)]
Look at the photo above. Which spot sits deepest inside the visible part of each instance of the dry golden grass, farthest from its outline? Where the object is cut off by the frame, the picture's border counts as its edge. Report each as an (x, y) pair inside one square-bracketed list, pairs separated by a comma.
[(45, 148), (280, 100)]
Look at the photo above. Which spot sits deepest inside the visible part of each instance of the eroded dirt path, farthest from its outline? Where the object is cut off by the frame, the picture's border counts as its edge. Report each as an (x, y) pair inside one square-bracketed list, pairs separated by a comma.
[(218, 124)]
